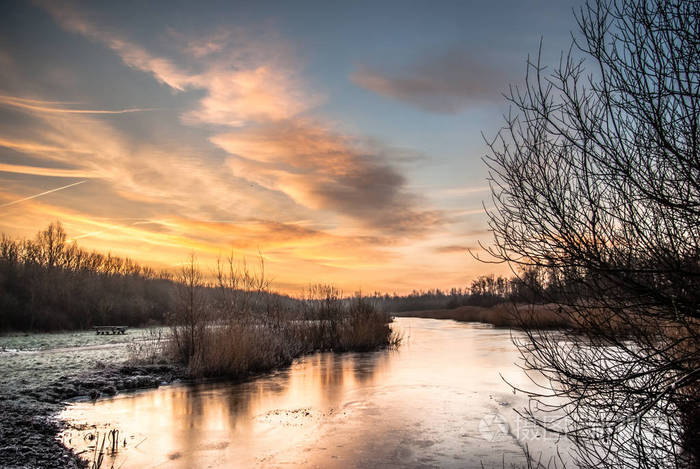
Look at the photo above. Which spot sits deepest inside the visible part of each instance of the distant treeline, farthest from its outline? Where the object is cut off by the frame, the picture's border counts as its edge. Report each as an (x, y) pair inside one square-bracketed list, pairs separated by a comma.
[(48, 283), (485, 290)]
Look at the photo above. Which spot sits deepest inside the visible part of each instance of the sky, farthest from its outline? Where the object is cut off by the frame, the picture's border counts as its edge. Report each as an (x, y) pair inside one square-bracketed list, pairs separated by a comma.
[(340, 141)]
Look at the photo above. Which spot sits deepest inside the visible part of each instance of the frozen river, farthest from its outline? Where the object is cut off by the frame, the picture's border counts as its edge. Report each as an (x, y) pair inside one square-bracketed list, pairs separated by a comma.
[(437, 401)]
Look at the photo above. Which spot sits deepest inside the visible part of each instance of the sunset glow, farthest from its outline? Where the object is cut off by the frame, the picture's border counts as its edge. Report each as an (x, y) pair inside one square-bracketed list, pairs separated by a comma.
[(347, 153)]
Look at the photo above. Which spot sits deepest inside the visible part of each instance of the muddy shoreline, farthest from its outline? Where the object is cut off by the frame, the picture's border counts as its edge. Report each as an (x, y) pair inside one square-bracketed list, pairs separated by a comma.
[(45, 372), (29, 429)]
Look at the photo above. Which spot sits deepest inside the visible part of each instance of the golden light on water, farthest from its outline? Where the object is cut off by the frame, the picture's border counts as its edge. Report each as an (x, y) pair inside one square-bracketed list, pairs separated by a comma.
[(330, 410)]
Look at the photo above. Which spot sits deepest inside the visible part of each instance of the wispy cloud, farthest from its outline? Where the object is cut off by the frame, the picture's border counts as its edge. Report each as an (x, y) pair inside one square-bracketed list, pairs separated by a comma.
[(262, 169), (464, 213), (460, 191), (323, 170), (29, 146), (53, 107), (454, 192), (453, 249), (447, 82), (166, 174), (39, 171), (75, 19), (114, 227), (255, 90), (244, 81)]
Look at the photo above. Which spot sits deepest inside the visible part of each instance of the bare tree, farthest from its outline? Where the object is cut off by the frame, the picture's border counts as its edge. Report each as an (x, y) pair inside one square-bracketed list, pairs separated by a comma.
[(189, 320), (241, 290), (596, 179), (51, 243)]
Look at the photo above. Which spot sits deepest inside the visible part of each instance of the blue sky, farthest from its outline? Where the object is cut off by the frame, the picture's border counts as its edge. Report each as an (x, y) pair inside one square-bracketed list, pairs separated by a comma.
[(340, 139)]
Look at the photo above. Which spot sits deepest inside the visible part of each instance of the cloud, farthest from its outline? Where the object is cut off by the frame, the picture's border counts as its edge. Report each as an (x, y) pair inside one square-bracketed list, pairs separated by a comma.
[(249, 234), (447, 83), (54, 107), (236, 97), (252, 89), (32, 147), (76, 20), (278, 240), (165, 239), (324, 170), (208, 45), (38, 171), (468, 212), (244, 80), (453, 248), (166, 174)]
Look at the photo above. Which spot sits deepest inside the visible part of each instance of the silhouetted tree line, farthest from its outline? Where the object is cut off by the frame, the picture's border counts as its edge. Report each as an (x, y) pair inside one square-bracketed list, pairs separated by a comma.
[(417, 300), (532, 285), (48, 283)]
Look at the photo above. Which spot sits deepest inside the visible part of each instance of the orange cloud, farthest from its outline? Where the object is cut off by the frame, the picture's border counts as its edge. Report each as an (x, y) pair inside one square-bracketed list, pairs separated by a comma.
[(38, 171), (32, 147), (343, 211), (255, 90), (240, 85), (295, 254), (48, 106), (324, 170), (284, 240), (162, 174), (236, 97), (452, 249)]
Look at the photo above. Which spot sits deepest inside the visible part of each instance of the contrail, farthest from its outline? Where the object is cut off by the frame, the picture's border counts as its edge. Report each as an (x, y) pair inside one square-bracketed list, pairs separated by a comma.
[(43, 193)]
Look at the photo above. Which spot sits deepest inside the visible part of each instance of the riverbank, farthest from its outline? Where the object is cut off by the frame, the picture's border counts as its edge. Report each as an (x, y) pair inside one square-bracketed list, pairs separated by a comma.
[(387, 408), (502, 315), (44, 371), (29, 429)]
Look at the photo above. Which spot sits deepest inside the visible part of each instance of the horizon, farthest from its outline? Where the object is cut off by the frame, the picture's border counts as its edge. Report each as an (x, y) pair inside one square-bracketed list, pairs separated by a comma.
[(332, 139)]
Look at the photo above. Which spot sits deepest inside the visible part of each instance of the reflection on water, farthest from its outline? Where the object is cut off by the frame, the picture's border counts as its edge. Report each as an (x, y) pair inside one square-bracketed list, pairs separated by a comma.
[(423, 405)]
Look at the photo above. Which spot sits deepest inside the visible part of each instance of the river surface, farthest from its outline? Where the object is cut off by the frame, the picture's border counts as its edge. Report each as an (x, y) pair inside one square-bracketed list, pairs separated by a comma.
[(437, 401)]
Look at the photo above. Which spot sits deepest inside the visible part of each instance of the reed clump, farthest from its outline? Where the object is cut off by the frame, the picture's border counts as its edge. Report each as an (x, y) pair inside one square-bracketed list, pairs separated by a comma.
[(344, 324), (239, 348), (236, 328)]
